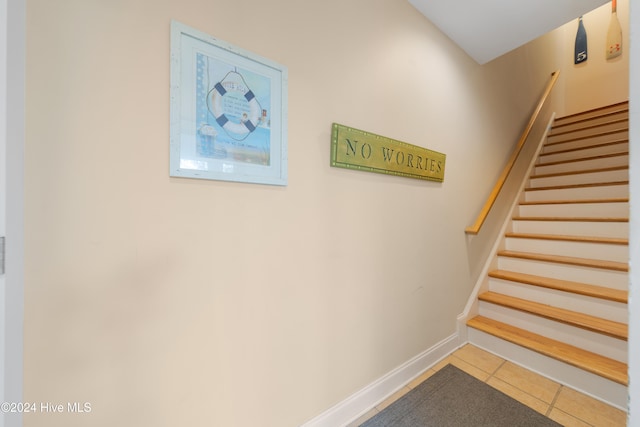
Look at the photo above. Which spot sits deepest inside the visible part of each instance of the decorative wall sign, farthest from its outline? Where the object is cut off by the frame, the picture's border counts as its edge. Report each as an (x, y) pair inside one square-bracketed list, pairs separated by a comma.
[(614, 34), (580, 49), (228, 111), (356, 149)]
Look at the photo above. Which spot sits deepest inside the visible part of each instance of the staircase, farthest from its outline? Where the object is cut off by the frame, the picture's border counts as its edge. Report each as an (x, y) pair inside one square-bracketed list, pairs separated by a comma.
[(556, 299)]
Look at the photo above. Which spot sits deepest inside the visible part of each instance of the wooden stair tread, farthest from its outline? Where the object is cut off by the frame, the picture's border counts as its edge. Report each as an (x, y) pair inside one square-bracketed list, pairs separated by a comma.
[(567, 202), (569, 219), (622, 105), (584, 262), (570, 186), (583, 159), (591, 323), (603, 366), (567, 238), (558, 125), (586, 147), (585, 289), (579, 172), (555, 131), (589, 136)]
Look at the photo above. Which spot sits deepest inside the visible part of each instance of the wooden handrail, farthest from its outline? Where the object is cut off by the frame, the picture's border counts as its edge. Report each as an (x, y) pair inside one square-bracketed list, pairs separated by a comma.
[(482, 216)]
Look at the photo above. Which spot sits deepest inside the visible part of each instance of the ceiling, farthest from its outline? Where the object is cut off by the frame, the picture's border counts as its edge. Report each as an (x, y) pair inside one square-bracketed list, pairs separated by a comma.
[(487, 29)]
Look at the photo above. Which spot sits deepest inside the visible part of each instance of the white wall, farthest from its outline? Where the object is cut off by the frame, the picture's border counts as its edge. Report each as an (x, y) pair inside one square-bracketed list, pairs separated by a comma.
[(634, 243), (12, 129), (165, 301)]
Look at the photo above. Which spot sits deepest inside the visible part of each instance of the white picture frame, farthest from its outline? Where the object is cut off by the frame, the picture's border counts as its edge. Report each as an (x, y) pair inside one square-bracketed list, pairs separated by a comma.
[(228, 111)]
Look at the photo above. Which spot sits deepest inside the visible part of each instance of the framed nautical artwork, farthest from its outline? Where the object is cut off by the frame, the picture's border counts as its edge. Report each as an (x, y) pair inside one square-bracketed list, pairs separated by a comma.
[(228, 117)]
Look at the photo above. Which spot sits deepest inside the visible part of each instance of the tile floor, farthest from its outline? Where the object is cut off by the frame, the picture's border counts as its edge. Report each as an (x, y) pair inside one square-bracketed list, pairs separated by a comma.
[(562, 404)]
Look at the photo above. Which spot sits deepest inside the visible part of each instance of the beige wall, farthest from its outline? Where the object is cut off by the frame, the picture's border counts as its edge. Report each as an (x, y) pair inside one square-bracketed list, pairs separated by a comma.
[(165, 301), (597, 81)]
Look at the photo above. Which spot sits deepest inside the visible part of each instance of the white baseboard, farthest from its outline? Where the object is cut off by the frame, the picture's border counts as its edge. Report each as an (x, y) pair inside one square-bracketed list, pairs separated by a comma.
[(364, 400)]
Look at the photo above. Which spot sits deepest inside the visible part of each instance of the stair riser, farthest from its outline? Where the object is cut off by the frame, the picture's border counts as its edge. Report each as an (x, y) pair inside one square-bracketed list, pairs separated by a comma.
[(582, 210), (582, 144), (580, 193), (610, 310), (592, 140), (586, 382), (600, 251), (619, 108), (601, 162), (618, 148), (580, 178), (591, 341), (589, 132), (596, 229), (592, 276), (595, 121)]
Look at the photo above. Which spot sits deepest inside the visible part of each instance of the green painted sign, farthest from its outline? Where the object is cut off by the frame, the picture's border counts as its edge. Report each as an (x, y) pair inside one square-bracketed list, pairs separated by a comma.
[(356, 149)]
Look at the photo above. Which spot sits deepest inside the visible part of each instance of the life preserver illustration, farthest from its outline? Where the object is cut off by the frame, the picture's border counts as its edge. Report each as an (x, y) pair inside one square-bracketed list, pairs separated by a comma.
[(234, 106)]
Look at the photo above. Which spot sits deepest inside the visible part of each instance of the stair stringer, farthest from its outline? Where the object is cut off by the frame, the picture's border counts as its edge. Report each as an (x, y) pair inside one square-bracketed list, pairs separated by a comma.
[(482, 283)]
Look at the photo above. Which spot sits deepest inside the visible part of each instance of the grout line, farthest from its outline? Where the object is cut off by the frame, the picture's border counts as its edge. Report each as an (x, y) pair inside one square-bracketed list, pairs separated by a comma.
[(553, 401), (495, 371), (523, 391), (569, 414)]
